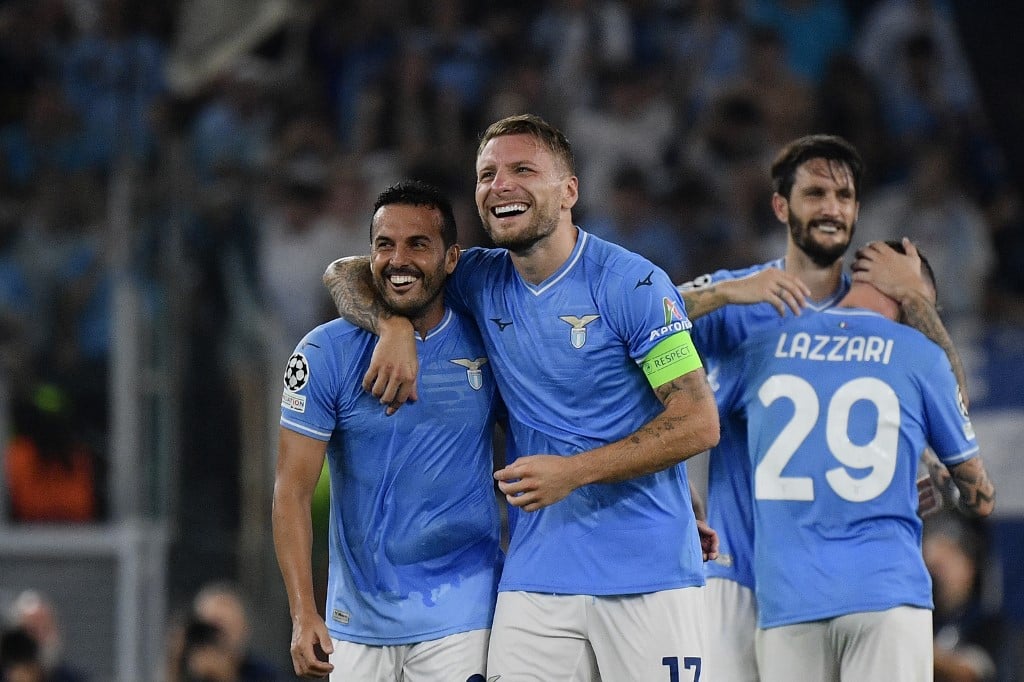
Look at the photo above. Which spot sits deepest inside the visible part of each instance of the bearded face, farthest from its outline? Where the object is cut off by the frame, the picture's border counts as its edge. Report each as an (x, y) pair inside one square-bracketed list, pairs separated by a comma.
[(821, 210)]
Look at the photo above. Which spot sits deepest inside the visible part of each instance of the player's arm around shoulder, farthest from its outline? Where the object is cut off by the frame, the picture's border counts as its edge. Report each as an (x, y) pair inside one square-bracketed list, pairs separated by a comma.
[(394, 366), (772, 285)]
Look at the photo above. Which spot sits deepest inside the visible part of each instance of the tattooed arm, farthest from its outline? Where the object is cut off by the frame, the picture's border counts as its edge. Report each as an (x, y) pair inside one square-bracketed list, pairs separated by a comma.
[(350, 284), (977, 492), (898, 275), (687, 426), (770, 285), (394, 364), (919, 313)]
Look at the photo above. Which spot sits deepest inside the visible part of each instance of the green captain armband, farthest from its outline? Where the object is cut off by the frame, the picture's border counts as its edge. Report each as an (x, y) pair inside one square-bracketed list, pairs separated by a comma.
[(671, 359)]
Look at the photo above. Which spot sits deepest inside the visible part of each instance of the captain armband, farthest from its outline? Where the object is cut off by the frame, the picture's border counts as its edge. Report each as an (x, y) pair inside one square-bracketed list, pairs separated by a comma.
[(670, 359)]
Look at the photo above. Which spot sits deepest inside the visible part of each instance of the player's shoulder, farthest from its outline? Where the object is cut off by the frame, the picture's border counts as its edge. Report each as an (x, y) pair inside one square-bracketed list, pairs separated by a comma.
[(724, 274), (859, 321), (618, 264), (331, 341), (483, 256)]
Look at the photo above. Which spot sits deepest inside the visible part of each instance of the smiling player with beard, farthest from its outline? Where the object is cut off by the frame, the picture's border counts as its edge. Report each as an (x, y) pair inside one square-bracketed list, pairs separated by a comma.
[(816, 182), (414, 527), (606, 397)]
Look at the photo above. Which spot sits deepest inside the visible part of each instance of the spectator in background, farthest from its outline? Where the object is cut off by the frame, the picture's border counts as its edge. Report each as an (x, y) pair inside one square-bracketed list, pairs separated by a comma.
[(783, 96), (579, 40), (19, 657), (632, 122), (34, 614), (113, 73), (51, 473), (294, 235), (48, 137), (813, 31), (635, 216), (933, 208), (221, 620), (849, 105), (704, 50), (233, 129), (882, 40), (968, 630), (728, 148)]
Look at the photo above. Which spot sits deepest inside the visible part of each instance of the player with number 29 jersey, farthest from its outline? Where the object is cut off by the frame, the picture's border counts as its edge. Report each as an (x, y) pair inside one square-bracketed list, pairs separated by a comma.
[(717, 335), (839, 406)]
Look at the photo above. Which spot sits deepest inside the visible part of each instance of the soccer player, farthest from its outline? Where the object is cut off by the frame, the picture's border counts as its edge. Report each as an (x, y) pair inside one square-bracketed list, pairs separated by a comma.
[(838, 407), (816, 183), (606, 397), (414, 526)]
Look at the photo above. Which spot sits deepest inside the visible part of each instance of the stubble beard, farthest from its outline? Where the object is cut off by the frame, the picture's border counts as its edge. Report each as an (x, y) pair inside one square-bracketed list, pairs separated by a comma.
[(413, 309), (521, 243)]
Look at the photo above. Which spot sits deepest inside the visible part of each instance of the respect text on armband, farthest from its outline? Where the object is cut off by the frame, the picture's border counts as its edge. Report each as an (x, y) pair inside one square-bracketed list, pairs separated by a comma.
[(672, 358)]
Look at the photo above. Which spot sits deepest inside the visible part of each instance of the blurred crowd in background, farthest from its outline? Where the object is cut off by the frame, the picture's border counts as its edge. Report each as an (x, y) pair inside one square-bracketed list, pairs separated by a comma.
[(253, 136)]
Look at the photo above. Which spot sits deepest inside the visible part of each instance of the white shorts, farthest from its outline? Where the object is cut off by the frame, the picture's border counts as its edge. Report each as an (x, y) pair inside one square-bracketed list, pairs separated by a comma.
[(731, 625), (580, 638), (456, 657), (873, 645)]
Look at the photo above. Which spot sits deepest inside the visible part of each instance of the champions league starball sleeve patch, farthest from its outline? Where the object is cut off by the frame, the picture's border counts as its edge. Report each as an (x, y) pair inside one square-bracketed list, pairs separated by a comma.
[(296, 376)]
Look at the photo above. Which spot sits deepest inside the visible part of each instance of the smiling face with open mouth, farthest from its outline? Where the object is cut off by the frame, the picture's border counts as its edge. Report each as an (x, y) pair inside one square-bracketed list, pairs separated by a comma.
[(521, 189), (410, 261), (821, 210)]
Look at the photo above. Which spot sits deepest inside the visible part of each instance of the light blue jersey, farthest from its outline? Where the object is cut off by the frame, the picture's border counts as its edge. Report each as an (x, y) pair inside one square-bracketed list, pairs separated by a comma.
[(839, 407), (729, 506), (567, 356), (414, 524)]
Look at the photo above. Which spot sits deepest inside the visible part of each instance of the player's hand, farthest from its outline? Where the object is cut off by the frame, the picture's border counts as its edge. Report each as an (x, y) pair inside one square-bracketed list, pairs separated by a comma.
[(771, 285), (708, 540), (929, 500), (537, 481), (895, 274), (394, 365), (310, 638)]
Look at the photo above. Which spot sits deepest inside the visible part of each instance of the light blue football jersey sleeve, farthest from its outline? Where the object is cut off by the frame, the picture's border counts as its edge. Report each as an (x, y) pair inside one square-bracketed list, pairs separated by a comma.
[(717, 336), (839, 406), (567, 356), (414, 526)]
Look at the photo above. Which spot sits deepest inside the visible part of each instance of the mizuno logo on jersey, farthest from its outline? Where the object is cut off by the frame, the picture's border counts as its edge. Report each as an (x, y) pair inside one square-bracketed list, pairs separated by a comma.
[(474, 375), (578, 334), (646, 282), (501, 325)]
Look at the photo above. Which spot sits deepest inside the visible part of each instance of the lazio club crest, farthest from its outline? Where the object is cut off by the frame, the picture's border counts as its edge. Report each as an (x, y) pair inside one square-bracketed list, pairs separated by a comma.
[(474, 376), (578, 334)]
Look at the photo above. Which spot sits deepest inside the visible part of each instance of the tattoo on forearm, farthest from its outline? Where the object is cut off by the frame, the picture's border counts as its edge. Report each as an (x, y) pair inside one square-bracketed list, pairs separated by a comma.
[(700, 302), (922, 316), (693, 387), (977, 493), (353, 294)]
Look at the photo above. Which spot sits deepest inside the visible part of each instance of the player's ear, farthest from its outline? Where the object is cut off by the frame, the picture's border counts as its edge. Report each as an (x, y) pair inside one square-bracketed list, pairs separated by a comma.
[(570, 192), (780, 205), (451, 258)]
